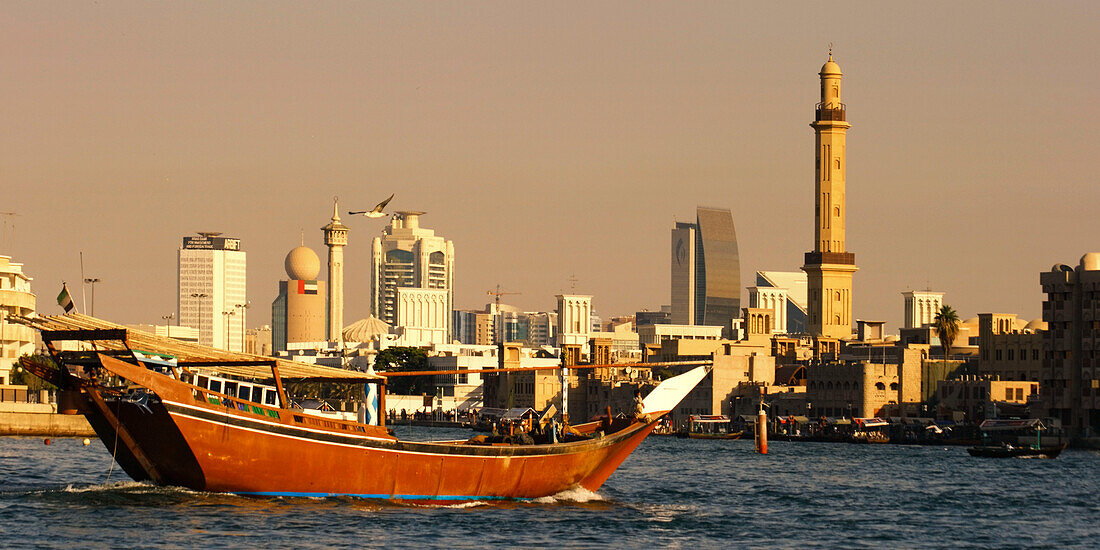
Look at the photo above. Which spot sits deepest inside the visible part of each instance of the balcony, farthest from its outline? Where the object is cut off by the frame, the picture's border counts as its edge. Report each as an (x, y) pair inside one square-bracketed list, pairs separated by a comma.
[(824, 113), (842, 258)]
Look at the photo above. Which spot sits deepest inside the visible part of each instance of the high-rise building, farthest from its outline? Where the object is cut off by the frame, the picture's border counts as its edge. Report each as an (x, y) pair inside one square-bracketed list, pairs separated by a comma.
[(409, 256), (16, 300), (298, 313), (921, 307), (829, 267), (706, 270), (212, 295), (1069, 382), (336, 238)]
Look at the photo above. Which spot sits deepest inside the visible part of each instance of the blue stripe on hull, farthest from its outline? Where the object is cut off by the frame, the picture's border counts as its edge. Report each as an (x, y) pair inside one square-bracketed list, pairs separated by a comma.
[(386, 497)]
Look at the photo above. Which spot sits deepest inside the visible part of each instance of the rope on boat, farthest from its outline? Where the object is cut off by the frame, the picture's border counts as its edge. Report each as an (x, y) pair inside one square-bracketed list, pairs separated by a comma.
[(114, 452)]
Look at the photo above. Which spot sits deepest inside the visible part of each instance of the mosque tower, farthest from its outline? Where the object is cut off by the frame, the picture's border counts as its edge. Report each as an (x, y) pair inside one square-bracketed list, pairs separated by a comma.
[(336, 238), (829, 267)]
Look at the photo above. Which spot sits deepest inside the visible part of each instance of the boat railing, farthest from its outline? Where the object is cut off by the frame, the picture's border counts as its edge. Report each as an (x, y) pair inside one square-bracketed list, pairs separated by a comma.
[(217, 399)]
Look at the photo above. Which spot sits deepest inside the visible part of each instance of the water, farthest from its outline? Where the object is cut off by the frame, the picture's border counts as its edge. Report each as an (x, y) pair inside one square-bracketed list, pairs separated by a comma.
[(669, 493)]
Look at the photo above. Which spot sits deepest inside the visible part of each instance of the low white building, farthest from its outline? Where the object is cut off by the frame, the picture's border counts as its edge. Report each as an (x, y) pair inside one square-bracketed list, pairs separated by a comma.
[(16, 299)]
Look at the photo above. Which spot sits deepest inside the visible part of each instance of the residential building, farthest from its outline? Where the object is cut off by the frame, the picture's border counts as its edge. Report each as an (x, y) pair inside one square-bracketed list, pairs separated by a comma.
[(1007, 350), (16, 300), (212, 289), (1070, 379)]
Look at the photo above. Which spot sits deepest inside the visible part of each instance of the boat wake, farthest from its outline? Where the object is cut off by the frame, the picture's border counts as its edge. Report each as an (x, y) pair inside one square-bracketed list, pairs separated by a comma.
[(575, 495)]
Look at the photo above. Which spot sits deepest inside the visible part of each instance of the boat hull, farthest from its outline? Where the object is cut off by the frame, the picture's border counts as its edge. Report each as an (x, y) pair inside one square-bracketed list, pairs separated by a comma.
[(998, 451), (178, 434)]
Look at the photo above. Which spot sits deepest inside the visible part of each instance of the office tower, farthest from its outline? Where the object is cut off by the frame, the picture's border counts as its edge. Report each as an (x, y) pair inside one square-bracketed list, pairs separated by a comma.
[(212, 294), (409, 256), (706, 270), (829, 267)]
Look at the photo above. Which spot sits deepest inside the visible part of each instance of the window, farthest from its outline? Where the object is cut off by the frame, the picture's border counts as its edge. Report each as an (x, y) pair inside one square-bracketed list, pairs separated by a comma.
[(1011, 355), (998, 355), (1019, 394), (1008, 394), (880, 386), (893, 386)]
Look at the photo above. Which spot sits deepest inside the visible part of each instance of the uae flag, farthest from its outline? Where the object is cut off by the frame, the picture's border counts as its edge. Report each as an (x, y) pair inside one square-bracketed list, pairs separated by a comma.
[(307, 287), (64, 300)]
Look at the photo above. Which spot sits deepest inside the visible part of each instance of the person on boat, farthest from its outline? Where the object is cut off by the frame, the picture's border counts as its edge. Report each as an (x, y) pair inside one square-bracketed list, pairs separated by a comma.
[(639, 405)]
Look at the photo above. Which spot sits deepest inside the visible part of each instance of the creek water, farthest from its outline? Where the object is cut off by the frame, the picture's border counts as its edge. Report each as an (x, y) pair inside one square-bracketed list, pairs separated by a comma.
[(669, 493)]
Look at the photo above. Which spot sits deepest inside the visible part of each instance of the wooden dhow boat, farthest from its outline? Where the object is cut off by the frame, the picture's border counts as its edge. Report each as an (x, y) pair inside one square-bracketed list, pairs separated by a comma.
[(182, 422)]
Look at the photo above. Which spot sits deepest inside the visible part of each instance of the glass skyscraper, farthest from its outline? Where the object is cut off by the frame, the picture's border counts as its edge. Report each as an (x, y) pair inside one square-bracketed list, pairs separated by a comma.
[(706, 270)]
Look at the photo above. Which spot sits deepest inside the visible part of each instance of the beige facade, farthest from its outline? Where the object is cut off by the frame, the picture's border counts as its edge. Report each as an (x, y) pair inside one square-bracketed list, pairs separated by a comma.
[(423, 316), (1006, 350), (921, 307), (1070, 379), (829, 267), (865, 389), (977, 398), (574, 319), (16, 299), (773, 299)]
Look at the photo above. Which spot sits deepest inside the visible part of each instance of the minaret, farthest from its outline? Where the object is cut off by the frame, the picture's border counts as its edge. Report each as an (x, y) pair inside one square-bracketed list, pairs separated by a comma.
[(829, 267), (336, 238)]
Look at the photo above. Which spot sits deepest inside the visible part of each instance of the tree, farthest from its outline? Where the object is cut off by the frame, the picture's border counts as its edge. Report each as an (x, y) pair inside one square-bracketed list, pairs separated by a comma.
[(398, 359), (946, 325)]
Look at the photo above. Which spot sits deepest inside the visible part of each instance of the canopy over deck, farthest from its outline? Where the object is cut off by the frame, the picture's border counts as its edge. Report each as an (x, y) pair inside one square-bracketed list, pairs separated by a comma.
[(997, 424), (193, 356)]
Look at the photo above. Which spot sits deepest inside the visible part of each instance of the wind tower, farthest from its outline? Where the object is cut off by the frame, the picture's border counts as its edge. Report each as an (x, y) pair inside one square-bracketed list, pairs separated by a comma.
[(830, 266), (336, 238)]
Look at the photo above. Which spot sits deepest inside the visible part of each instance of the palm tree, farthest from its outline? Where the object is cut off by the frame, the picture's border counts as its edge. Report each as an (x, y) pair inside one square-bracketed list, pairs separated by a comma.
[(946, 325)]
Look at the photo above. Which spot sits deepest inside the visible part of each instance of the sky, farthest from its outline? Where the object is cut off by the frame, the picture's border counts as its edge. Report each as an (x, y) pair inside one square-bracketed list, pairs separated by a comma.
[(550, 141)]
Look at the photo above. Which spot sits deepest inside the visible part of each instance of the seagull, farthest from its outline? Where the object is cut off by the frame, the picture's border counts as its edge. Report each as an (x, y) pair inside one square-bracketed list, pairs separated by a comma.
[(377, 212)]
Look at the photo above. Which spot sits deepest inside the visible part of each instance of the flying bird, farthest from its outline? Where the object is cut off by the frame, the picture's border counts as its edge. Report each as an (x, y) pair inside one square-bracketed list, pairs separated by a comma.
[(377, 212)]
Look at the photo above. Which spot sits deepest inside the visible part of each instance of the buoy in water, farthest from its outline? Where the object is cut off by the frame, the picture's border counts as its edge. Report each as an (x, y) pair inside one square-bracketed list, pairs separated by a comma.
[(87, 442), (47, 441)]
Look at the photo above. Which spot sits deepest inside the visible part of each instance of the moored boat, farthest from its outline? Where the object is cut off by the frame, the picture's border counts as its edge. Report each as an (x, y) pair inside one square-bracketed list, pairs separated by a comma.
[(168, 424)]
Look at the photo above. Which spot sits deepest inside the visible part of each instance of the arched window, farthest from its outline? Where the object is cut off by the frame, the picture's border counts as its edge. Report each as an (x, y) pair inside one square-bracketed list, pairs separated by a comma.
[(880, 386), (893, 386)]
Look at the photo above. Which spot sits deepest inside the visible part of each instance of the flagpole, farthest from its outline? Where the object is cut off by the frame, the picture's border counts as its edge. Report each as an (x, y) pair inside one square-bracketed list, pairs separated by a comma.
[(82, 300)]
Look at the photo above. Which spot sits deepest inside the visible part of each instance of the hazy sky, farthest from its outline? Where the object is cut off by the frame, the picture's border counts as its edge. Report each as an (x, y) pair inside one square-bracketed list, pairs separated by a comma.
[(548, 140)]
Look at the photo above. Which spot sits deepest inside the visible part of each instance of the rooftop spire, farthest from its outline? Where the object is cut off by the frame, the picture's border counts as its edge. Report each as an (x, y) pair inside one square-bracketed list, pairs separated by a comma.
[(336, 209)]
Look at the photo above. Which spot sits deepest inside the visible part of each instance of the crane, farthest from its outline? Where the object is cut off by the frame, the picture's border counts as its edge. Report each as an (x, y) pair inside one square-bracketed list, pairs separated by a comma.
[(496, 294)]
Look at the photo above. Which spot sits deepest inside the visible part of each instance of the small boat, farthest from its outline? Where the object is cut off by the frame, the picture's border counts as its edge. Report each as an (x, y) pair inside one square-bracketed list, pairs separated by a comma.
[(1016, 428), (1012, 451), (709, 427), (210, 420)]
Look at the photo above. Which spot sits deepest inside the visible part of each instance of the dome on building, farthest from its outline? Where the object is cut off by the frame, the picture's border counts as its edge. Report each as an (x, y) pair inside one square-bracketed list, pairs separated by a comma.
[(1036, 325), (1020, 324), (302, 264), (365, 330), (830, 67), (1091, 261)]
